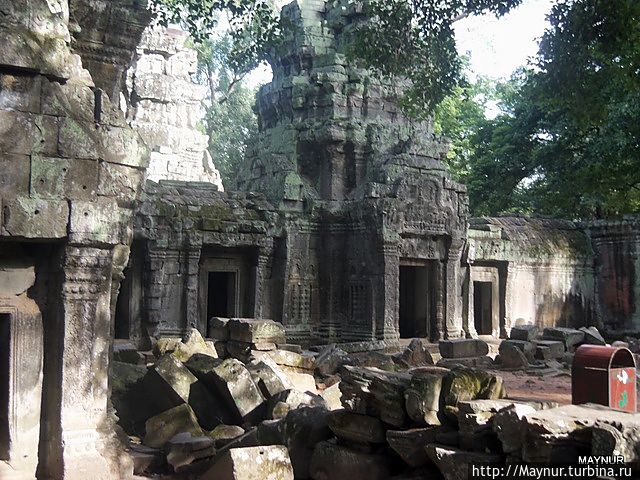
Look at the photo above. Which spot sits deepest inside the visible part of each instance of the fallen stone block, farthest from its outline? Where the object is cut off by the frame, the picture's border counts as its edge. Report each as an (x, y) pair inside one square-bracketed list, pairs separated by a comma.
[(357, 428), (193, 343), (127, 353), (223, 434), (168, 383), (415, 354), (146, 459), (280, 404), (269, 378), (301, 381), (527, 333), (332, 396), (270, 432), (409, 444), (289, 359), (462, 384), (511, 356), (569, 336), (463, 347), (337, 462), (471, 362), (232, 381), (129, 397), (292, 347), (387, 395), (422, 398), (217, 328), (255, 331), (562, 434), (302, 429), (527, 348), (330, 359), (616, 440), (252, 463), (549, 349), (592, 336), (508, 425), (166, 345), (454, 464), (184, 449), (161, 428)]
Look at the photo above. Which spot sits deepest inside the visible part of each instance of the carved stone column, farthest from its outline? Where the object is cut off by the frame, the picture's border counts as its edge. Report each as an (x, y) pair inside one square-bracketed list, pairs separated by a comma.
[(261, 274), (440, 294), (453, 314), (191, 285), (76, 414), (388, 325)]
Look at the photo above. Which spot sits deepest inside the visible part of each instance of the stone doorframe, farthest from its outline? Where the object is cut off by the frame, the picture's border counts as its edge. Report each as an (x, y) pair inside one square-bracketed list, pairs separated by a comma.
[(491, 275)]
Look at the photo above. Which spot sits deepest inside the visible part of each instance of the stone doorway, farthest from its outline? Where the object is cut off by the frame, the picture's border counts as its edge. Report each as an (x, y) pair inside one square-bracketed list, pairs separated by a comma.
[(416, 301), (483, 307), (221, 294), (5, 367)]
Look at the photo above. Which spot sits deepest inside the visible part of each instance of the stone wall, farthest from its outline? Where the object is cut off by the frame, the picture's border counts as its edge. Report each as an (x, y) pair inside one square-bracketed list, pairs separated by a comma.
[(544, 270), (71, 172), (165, 106), (617, 265), (187, 230)]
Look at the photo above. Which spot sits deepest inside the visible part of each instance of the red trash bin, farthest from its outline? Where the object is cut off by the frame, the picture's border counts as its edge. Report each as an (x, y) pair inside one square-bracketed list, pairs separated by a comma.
[(604, 375)]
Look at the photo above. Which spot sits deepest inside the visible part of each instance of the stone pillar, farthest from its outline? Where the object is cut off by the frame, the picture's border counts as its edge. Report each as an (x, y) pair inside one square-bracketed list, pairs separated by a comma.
[(388, 324), (261, 274), (467, 293), (453, 294), (152, 300), (505, 328), (77, 390), (191, 280), (440, 294)]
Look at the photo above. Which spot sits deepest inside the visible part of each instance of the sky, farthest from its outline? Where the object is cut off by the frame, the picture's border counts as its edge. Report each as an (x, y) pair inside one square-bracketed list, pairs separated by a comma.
[(496, 46)]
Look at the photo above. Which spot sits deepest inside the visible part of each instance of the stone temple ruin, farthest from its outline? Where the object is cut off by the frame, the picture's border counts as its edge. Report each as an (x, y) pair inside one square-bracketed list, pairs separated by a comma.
[(345, 228)]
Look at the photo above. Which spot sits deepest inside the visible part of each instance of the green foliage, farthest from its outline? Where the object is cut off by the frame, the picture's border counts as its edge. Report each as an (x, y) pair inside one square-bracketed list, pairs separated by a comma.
[(567, 142), (415, 40), (229, 119), (254, 26)]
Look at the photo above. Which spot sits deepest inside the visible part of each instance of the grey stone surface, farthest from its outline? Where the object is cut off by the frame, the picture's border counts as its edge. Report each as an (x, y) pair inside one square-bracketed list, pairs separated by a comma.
[(527, 333), (463, 348), (569, 336), (336, 462), (252, 463)]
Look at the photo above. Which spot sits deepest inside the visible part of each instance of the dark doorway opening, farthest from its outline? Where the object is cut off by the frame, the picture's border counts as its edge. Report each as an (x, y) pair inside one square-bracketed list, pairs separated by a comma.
[(415, 301), (122, 325), (5, 377), (482, 307), (221, 294)]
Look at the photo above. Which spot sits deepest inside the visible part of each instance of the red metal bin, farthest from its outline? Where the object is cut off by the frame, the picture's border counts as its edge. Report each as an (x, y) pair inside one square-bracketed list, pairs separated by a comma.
[(604, 375)]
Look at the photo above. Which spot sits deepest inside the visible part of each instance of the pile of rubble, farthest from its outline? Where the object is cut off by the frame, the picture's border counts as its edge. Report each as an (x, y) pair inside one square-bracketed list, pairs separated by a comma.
[(248, 406)]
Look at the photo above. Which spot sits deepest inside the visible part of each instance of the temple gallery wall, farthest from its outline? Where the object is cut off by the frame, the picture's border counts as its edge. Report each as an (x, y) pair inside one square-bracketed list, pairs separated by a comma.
[(345, 224)]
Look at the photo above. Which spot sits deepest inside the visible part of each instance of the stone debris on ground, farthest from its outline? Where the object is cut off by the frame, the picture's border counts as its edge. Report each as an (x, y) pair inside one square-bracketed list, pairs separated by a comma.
[(349, 420)]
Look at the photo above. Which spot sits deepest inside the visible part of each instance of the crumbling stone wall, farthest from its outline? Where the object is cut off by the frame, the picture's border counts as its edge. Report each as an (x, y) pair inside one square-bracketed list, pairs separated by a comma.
[(545, 270), (165, 106), (71, 171), (617, 266)]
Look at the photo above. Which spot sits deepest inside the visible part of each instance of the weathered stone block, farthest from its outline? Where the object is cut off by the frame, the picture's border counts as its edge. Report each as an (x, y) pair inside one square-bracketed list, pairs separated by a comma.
[(332, 396), (63, 178), (269, 378), (454, 464), (20, 92), (232, 381), (284, 402), (353, 427), (526, 333), (422, 398), (120, 181), (79, 139), (14, 181), (185, 448), (549, 349), (194, 343), (253, 331), (592, 336), (161, 428), (24, 133), (223, 434), (463, 347), (98, 221), (169, 383), (252, 463), (35, 218), (302, 429), (409, 444), (218, 328), (569, 336), (462, 384), (337, 462)]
